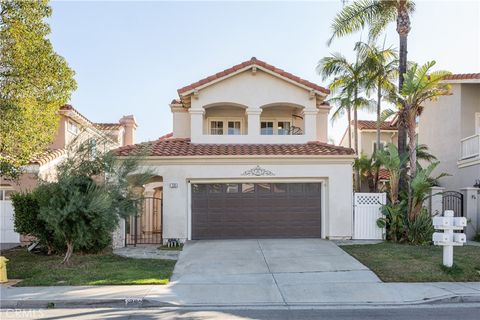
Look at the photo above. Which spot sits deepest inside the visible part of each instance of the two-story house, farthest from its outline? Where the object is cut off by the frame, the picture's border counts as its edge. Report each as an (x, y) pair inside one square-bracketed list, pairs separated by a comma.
[(73, 127), (248, 158), (450, 127)]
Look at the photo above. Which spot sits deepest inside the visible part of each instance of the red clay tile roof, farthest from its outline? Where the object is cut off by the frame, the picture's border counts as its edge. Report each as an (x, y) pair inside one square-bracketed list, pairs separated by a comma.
[(47, 156), (372, 125), (180, 147), (107, 126), (251, 62), (463, 76)]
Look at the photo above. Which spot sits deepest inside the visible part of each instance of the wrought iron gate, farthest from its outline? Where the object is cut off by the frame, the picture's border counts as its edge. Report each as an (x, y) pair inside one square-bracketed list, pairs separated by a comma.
[(453, 200), (146, 227)]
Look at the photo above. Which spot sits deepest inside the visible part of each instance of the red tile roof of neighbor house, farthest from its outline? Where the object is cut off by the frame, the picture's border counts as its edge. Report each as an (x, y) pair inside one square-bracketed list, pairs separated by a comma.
[(167, 146), (47, 156), (253, 61), (463, 76), (383, 174), (372, 125)]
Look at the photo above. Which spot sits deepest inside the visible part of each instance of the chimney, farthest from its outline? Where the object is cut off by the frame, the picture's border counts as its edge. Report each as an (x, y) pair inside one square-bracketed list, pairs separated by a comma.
[(129, 125)]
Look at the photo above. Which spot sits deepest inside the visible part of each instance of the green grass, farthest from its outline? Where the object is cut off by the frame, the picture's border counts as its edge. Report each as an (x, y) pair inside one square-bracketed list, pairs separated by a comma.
[(99, 269), (167, 248), (406, 263)]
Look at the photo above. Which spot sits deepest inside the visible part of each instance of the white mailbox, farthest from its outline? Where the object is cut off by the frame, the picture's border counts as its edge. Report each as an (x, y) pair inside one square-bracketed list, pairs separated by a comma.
[(460, 222), (440, 222), (441, 237), (448, 223), (459, 237)]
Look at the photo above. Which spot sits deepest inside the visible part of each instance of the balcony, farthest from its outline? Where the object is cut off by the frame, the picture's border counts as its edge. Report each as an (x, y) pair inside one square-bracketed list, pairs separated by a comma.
[(470, 147)]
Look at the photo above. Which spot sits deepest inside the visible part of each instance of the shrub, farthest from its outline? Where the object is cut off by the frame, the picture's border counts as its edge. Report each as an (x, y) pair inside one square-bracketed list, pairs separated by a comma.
[(28, 222), (393, 220), (420, 229)]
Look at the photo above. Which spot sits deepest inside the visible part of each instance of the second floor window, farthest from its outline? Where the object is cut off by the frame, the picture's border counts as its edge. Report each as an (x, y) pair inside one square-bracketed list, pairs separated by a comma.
[(225, 127), (216, 127), (382, 146), (271, 127), (72, 127)]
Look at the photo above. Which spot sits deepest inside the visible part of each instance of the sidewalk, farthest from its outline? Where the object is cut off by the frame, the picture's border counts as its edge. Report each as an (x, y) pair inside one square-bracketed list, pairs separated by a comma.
[(240, 294)]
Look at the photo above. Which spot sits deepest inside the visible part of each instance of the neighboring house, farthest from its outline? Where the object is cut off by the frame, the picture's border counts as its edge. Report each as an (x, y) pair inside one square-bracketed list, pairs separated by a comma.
[(248, 158), (450, 127), (367, 136), (73, 128), (367, 142)]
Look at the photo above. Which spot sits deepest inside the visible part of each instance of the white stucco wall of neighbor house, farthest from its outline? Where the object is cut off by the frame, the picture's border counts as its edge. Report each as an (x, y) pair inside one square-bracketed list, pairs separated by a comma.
[(334, 173)]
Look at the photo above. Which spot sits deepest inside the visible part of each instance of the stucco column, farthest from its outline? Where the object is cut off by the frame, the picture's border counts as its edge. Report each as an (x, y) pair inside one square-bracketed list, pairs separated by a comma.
[(322, 123), (254, 122), (471, 210), (310, 124), (196, 123), (435, 201)]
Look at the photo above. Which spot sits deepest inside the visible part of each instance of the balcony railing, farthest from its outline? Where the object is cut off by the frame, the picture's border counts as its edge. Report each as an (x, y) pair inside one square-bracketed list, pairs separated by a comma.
[(470, 147)]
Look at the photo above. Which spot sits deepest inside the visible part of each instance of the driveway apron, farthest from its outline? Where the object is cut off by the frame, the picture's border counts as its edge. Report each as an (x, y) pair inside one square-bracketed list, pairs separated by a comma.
[(266, 271)]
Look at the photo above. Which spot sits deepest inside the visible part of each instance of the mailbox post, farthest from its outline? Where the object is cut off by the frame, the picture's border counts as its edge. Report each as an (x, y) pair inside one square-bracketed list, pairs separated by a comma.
[(448, 239)]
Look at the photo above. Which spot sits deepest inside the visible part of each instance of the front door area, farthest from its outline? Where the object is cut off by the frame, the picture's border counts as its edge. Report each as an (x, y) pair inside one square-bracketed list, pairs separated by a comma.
[(256, 210)]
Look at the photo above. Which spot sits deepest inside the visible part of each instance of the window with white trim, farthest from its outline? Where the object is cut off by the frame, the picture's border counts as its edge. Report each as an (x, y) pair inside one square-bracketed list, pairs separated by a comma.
[(5, 194), (275, 127), (72, 127), (382, 146), (225, 126)]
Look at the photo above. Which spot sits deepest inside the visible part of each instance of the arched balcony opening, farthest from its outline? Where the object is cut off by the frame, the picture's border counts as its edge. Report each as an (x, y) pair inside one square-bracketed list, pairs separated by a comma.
[(225, 119), (282, 119)]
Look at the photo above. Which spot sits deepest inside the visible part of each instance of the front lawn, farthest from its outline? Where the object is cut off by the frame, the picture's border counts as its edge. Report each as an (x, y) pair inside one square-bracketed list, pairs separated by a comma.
[(406, 263), (101, 269)]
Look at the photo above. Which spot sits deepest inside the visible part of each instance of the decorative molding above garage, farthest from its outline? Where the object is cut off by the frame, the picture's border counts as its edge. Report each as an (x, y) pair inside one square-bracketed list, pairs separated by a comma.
[(257, 172)]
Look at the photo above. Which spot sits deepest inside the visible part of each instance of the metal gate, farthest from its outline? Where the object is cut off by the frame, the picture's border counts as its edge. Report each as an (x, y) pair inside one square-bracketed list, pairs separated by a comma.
[(146, 227), (453, 200)]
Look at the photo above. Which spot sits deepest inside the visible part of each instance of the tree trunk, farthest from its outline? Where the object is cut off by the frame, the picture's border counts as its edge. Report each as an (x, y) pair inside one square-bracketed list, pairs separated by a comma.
[(379, 122), (403, 28), (355, 137), (349, 117), (412, 146), (66, 259)]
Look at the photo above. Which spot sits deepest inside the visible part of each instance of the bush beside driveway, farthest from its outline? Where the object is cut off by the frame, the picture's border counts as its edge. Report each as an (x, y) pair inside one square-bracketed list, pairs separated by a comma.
[(98, 269), (407, 263)]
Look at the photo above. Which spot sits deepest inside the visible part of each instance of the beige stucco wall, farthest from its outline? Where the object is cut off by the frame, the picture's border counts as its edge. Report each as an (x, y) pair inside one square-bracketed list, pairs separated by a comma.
[(335, 175), (258, 92), (367, 139), (443, 124)]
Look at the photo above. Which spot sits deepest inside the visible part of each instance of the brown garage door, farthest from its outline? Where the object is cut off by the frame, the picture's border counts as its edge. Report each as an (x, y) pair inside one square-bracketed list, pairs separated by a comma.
[(255, 210)]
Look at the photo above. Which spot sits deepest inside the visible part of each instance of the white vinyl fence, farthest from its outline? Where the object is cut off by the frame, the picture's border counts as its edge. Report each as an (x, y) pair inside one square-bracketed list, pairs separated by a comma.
[(7, 232), (366, 211)]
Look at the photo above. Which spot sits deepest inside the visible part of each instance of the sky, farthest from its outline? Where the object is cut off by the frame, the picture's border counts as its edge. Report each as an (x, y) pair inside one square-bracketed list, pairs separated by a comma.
[(130, 57)]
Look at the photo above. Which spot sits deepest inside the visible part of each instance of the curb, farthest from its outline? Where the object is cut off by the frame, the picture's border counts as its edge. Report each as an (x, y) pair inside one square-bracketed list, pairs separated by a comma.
[(144, 303)]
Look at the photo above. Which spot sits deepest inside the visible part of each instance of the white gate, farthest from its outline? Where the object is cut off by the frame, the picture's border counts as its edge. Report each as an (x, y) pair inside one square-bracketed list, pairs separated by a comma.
[(367, 210), (7, 232)]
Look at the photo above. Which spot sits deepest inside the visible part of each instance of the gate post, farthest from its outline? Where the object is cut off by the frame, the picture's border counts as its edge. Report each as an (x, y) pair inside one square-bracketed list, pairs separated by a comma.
[(471, 210), (435, 202)]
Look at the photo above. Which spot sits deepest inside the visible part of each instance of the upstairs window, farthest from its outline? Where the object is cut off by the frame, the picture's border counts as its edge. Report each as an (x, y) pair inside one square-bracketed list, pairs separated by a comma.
[(283, 127), (275, 127), (234, 127), (266, 127), (225, 127), (382, 146), (216, 127), (72, 127)]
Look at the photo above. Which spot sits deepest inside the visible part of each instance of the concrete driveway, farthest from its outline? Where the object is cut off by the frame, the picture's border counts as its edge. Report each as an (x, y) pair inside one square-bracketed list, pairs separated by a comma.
[(270, 271)]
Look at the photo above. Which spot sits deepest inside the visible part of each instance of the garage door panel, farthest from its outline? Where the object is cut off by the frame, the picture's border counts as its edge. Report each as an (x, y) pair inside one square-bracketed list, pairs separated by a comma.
[(255, 210)]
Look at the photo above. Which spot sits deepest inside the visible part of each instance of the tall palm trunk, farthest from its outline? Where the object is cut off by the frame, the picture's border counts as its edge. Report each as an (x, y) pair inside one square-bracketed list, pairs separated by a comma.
[(349, 116), (379, 122), (355, 137), (403, 28)]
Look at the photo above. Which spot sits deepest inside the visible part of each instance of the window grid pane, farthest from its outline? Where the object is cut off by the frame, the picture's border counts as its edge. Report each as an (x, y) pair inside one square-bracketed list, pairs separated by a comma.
[(266, 127), (283, 127), (234, 127), (216, 127)]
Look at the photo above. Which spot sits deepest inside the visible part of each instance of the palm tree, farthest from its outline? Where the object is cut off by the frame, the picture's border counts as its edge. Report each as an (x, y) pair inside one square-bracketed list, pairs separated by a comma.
[(348, 79), (377, 14), (421, 85), (381, 70)]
